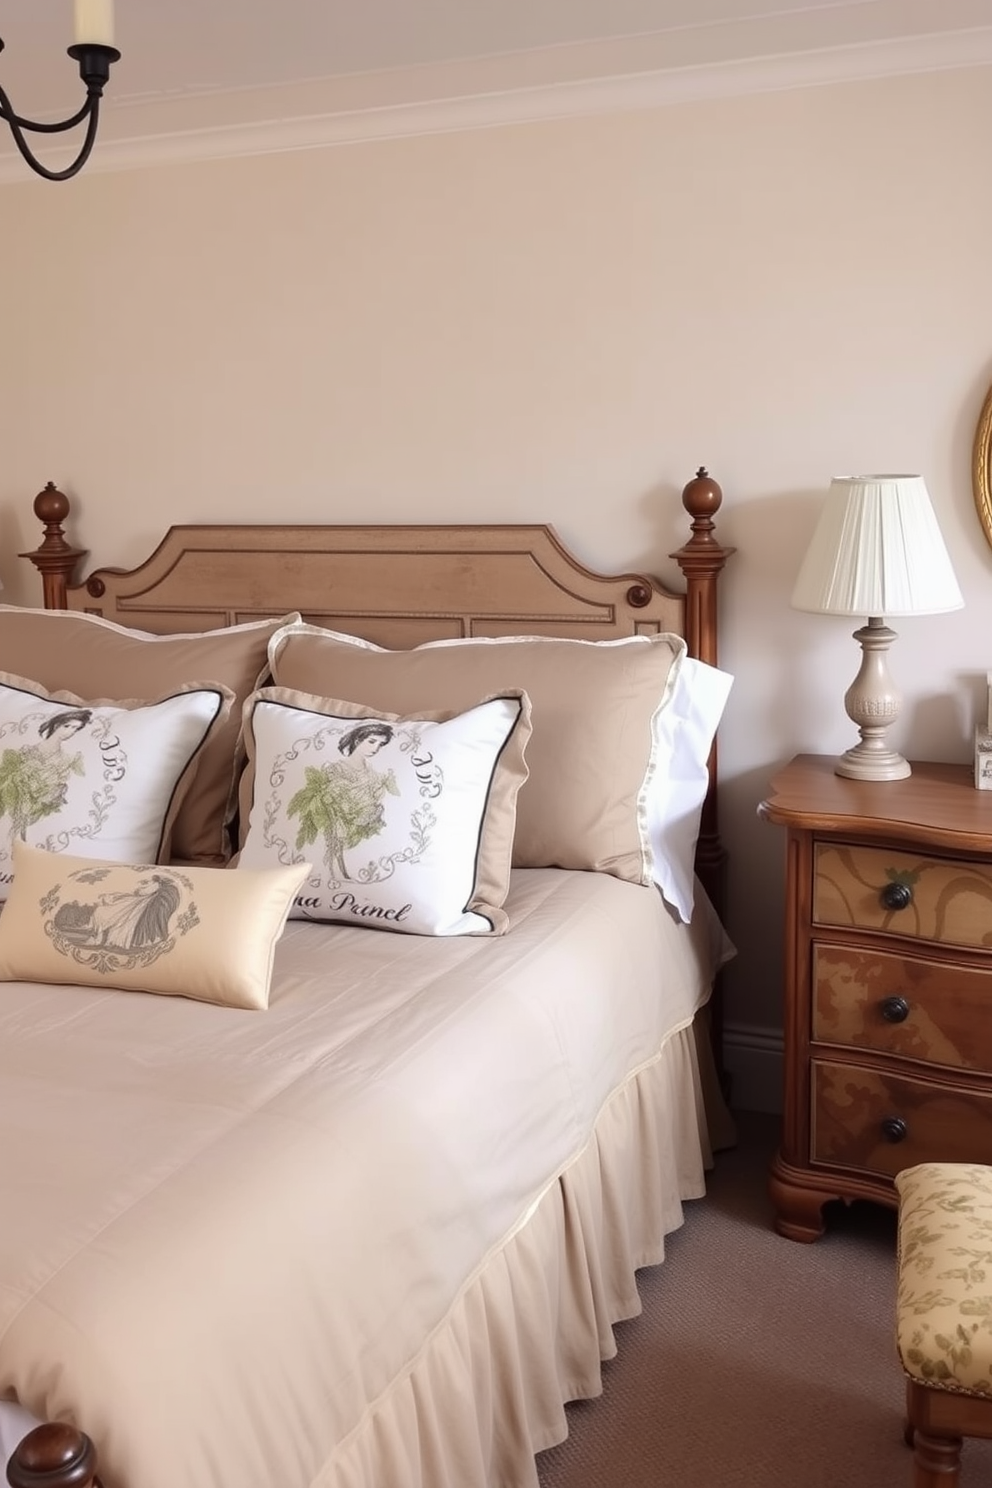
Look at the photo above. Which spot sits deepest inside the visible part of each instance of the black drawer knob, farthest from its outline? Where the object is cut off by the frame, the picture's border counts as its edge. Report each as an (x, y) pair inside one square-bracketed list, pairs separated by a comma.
[(894, 1129), (896, 896), (895, 1009)]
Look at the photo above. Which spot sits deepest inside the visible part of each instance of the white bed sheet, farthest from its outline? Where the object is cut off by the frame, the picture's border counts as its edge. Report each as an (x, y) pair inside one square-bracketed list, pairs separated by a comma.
[(384, 1130)]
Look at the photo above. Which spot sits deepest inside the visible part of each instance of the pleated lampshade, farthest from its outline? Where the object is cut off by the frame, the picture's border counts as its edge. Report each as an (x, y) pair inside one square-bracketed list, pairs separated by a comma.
[(877, 550)]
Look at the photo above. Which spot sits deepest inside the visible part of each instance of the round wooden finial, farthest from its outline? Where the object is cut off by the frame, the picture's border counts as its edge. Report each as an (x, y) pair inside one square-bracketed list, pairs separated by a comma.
[(702, 497), (54, 559), (54, 1454), (50, 505)]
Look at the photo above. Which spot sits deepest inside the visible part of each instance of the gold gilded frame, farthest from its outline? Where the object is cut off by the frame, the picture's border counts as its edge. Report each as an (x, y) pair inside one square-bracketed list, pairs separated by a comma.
[(981, 469)]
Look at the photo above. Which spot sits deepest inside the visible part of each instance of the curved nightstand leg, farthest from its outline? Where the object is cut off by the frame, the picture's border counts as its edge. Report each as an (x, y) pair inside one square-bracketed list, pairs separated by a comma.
[(798, 1199)]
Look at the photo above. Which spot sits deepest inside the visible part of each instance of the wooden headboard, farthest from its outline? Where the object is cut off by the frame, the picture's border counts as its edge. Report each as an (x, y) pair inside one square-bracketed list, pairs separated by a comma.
[(400, 586)]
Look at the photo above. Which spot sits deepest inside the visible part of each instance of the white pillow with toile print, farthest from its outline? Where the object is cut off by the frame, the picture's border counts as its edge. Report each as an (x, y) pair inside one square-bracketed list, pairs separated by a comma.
[(100, 778), (408, 820)]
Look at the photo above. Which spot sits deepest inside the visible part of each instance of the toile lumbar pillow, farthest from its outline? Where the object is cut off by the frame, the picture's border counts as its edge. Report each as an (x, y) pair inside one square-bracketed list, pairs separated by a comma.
[(205, 933), (102, 778), (408, 820)]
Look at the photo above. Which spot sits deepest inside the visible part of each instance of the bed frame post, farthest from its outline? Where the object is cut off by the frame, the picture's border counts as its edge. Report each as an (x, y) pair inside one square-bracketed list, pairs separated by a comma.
[(55, 560), (53, 1456), (701, 560)]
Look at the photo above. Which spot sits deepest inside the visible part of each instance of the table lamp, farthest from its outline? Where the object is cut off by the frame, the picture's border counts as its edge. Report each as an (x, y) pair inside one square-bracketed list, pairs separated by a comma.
[(876, 551)]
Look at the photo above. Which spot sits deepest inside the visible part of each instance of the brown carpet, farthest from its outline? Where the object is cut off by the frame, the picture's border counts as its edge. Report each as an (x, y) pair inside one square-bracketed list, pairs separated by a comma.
[(756, 1360)]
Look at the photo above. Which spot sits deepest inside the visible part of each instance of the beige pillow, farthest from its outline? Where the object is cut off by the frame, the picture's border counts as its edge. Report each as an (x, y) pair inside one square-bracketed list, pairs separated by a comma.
[(205, 933), (93, 657), (407, 819), (97, 776), (595, 711)]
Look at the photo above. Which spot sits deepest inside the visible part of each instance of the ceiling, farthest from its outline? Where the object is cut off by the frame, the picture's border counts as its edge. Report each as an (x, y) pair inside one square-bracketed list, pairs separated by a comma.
[(222, 67)]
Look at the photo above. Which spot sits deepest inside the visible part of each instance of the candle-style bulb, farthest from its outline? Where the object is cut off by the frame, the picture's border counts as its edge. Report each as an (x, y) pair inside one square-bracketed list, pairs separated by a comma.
[(94, 22)]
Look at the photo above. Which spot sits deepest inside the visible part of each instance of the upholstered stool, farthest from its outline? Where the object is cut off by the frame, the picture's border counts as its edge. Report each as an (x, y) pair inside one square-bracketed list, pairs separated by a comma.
[(944, 1312)]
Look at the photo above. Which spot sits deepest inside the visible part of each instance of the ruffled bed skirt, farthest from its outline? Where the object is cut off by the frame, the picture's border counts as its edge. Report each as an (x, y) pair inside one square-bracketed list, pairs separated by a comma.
[(532, 1327)]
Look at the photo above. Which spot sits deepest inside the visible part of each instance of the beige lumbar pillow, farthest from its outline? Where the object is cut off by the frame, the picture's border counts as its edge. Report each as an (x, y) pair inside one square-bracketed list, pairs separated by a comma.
[(205, 933)]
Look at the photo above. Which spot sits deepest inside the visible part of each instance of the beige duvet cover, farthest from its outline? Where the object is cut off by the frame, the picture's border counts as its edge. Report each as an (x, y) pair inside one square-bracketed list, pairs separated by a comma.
[(229, 1240)]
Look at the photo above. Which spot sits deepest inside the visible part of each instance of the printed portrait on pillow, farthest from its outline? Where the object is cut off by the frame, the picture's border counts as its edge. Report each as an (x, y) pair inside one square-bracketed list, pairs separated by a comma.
[(98, 778), (114, 929), (34, 777), (341, 802), (407, 821)]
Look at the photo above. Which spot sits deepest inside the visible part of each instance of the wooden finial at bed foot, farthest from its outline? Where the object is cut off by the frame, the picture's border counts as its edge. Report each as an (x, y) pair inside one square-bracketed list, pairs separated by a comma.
[(55, 560), (53, 1456)]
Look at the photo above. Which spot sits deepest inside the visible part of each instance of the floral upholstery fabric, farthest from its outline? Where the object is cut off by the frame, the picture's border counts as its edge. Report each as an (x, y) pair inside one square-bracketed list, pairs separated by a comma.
[(944, 1301)]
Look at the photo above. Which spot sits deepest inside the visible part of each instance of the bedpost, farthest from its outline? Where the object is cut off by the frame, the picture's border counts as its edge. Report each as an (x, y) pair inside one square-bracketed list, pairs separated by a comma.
[(55, 560), (53, 1456), (701, 560)]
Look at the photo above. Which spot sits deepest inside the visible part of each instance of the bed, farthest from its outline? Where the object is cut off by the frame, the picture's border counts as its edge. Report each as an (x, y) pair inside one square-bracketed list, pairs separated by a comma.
[(374, 1228)]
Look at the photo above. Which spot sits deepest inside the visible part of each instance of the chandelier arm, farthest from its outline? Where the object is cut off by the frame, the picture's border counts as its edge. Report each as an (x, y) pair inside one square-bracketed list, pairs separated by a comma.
[(95, 60), (9, 117), (91, 107)]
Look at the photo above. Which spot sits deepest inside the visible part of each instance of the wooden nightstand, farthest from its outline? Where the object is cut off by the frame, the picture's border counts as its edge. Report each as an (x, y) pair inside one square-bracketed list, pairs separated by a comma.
[(888, 982)]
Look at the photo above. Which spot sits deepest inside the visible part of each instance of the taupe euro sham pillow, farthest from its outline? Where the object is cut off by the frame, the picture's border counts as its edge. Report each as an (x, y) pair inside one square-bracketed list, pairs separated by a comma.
[(92, 657), (595, 710), (205, 933)]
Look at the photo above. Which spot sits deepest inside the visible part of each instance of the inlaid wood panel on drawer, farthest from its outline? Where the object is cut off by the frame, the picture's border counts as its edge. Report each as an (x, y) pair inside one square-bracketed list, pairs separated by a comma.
[(950, 901), (920, 1009), (851, 1105)]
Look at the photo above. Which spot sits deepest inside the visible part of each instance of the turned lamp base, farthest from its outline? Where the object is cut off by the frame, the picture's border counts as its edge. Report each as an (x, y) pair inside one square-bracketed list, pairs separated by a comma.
[(873, 703)]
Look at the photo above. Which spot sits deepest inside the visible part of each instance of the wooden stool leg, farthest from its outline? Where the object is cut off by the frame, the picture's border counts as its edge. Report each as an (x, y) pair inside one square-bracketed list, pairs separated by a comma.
[(909, 1429), (936, 1460)]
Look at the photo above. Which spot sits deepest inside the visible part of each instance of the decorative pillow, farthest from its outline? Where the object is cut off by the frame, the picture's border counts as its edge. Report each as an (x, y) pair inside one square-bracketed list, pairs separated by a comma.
[(96, 658), (105, 776), (686, 730), (408, 819), (205, 933), (595, 707)]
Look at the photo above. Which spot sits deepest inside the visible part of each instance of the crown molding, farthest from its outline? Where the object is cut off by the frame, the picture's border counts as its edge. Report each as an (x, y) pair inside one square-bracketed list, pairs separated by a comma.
[(170, 143)]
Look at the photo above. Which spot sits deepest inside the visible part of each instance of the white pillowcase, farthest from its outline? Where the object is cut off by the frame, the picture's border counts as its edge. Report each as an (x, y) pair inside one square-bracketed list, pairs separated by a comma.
[(102, 779), (407, 821), (686, 729)]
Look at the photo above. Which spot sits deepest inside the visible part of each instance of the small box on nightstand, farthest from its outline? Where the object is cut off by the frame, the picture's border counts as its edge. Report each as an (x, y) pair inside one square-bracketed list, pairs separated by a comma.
[(983, 759), (983, 746)]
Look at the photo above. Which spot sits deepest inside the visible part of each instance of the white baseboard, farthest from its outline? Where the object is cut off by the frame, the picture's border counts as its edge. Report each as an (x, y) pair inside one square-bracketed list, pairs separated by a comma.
[(753, 1060)]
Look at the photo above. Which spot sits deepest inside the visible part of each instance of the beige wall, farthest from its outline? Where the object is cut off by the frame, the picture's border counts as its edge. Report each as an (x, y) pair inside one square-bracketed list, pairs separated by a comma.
[(555, 322)]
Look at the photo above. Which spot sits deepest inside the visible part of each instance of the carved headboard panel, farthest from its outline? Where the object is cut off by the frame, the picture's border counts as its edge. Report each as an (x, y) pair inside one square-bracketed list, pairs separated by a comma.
[(397, 586)]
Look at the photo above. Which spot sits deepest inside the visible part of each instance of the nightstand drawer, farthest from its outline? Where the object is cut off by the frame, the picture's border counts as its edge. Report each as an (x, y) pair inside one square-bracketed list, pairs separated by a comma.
[(930, 1010), (946, 901), (881, 1123)]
